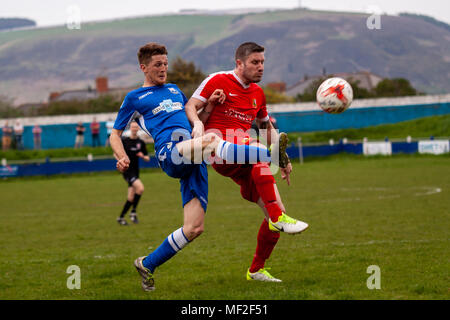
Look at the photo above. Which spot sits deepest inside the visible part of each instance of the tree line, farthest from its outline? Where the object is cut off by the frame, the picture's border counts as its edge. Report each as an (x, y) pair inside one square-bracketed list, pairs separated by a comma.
[(188, 77)]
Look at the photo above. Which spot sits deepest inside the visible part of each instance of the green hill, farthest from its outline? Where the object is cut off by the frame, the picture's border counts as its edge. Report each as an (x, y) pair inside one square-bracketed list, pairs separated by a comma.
[(298, 42)]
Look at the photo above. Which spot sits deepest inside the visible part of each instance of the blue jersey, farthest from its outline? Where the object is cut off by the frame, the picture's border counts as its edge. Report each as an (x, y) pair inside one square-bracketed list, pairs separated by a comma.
[(159, 111)]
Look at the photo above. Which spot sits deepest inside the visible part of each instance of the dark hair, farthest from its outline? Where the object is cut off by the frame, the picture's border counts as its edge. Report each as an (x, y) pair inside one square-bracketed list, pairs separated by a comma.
[(246, 49), (146, 52)]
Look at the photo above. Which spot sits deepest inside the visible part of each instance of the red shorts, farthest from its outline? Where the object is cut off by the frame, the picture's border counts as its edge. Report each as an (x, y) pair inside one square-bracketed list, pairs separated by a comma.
[(242, 175)]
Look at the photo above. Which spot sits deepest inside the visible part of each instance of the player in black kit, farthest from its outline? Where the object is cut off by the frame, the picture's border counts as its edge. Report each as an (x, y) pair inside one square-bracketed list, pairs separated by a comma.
[(135, 149)]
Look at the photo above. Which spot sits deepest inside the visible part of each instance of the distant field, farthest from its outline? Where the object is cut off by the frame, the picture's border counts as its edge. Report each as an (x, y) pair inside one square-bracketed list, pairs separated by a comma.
[(389, 212), (436, 126)]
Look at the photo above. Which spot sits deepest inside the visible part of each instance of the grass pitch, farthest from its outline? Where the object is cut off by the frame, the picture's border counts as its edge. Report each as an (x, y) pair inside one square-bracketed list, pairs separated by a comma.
[(391, 212)]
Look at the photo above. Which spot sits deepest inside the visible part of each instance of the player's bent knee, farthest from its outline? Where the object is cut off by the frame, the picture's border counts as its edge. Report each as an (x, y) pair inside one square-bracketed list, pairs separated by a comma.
[(193, 232), (261, 174)]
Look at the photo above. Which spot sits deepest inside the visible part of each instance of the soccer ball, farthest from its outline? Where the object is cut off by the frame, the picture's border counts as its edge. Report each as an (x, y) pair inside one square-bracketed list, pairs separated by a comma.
[(334, 95)]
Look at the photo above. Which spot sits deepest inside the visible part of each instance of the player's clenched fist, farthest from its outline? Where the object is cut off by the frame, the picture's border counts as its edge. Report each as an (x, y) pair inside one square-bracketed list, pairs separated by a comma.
[(123, 164), (218, 96)]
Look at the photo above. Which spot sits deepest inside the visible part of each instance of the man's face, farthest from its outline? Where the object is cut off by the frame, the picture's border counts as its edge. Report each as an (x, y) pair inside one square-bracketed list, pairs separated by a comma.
[(134, 128), (253, 67), (156, 70)]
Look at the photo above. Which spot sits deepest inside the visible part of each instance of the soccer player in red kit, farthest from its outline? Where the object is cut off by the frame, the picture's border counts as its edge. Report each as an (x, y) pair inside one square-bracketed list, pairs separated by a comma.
[(243, 101)]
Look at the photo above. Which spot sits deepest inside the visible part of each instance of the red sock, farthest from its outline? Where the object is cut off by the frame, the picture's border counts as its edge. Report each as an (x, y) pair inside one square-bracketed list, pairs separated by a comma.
[(274, 210), (266, 242), (265, 185)]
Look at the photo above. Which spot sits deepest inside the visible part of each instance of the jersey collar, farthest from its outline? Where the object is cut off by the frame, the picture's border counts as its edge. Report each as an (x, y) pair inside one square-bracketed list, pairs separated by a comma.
[(246, 86)]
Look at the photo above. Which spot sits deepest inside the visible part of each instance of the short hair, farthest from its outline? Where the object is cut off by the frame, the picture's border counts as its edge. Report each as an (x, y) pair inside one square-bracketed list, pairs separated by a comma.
[(147, 51), (246, 49)]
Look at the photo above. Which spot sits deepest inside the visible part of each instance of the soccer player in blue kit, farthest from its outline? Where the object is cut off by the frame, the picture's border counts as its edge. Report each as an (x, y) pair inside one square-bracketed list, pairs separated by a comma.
[(159, 110)]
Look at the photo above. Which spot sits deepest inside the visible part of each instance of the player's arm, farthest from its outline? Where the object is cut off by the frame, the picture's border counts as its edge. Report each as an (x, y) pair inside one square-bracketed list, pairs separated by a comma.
[(194, 105), (217, 97), (267, 129), (119, 151)]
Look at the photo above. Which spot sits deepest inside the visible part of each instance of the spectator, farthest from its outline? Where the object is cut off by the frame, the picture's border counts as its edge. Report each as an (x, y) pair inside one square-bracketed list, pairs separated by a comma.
[(18, 134), (79, 140), (6, 138), (37, 131), (109, 127), (95, 131)]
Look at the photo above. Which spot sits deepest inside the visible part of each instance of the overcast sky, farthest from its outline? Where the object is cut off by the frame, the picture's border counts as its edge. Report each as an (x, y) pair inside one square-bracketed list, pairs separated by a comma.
[(54, 12)]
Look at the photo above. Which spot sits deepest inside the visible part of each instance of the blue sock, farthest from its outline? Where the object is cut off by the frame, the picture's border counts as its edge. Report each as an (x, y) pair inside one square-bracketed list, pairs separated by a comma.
[(170, 246), (242, 153)]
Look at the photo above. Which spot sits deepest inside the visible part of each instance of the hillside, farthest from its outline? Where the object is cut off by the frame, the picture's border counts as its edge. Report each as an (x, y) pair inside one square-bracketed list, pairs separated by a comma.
[(298, 42), (13, 23)]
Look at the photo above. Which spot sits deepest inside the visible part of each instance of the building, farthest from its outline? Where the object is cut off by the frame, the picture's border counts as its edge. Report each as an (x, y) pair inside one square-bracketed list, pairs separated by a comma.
[(101, 88), (277, 86), (366, 80)]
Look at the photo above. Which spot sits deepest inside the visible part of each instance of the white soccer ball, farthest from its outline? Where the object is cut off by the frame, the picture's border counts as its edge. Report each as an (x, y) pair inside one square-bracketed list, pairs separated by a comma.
[(334, 95)]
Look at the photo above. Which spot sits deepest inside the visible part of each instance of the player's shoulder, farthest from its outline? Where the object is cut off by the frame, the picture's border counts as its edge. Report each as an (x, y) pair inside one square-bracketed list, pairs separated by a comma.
[(172, 87), (220, 75), (135, 94), (256, 88)]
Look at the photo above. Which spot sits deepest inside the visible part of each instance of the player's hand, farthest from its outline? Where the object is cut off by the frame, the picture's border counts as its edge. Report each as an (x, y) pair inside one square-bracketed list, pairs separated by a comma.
[(140, 154), (286, 172), (123, 164), (198, 129), (218, 96)]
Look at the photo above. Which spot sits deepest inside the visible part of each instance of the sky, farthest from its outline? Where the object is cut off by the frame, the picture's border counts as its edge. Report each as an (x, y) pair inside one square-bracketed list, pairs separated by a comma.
[(54, 12)]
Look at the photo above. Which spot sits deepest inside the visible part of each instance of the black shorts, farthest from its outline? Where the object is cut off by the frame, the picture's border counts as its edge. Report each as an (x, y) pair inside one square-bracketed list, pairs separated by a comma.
[(130, 176)]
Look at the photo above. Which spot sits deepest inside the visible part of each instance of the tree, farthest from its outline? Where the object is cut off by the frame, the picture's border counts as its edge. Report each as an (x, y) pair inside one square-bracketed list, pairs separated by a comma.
[(7, 110), (185, 75), (310, 92), (360, 92), (397, 87), (273, 96)]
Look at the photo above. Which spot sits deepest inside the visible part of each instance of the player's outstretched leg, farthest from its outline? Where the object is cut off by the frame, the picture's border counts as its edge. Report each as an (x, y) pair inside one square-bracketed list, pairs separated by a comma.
[(148, 283), (201, 148)]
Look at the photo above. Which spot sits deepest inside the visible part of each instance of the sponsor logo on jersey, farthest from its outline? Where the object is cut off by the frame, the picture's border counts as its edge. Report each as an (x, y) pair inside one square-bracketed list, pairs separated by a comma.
[(239, 115), (168, 105), (144, 95), (174, 91)]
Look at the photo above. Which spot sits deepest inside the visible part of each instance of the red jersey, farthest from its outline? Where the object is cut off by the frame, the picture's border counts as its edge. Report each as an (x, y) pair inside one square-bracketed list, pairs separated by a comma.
[(242, 105)]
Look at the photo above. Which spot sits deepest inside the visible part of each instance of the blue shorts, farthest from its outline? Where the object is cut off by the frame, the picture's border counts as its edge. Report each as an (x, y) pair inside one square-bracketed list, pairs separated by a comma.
[(193, 177)]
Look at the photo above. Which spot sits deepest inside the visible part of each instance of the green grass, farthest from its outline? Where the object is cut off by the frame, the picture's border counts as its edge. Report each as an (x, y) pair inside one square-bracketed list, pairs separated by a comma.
[(366, 211), (437, 126)]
